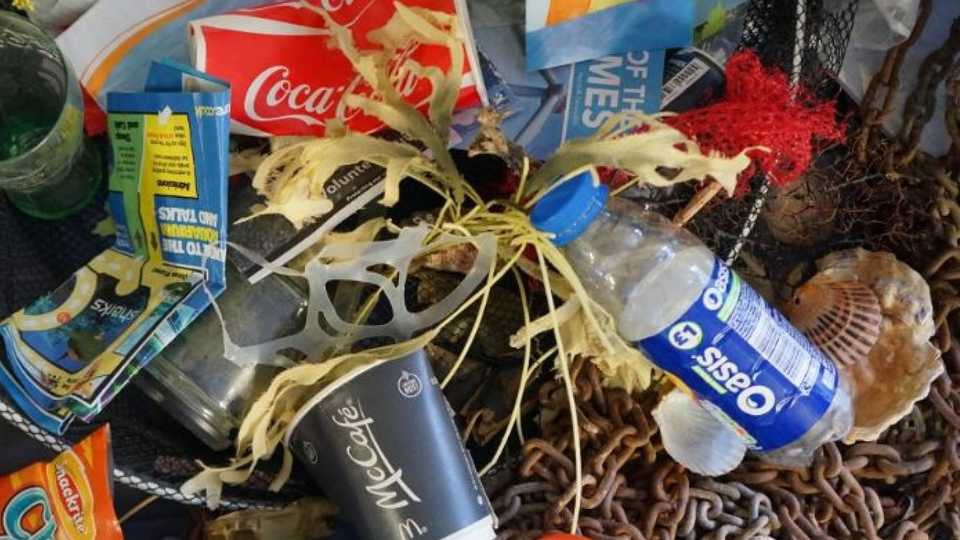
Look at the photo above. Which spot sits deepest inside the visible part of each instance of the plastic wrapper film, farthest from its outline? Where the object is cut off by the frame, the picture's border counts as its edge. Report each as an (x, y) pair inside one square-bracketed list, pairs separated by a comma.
[(68, 498)]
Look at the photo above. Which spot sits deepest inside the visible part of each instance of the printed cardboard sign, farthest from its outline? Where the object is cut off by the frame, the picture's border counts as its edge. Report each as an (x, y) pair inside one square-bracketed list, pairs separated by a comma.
[(606, 86), (71, 350)]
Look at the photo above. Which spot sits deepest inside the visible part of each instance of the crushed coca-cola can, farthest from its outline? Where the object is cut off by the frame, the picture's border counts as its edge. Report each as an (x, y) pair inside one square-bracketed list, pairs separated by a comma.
[(288, 77)]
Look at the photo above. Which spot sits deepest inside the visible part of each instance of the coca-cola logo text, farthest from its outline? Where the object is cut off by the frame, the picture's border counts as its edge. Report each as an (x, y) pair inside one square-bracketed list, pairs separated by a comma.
[(273, 96), (384, 481), (273, 88)]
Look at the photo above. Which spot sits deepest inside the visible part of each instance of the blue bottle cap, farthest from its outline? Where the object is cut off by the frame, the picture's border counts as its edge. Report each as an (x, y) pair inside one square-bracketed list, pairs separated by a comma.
[(570, 207)]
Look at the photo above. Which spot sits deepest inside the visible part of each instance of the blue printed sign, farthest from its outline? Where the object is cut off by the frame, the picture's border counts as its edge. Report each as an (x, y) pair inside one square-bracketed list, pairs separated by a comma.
[(602, 87)]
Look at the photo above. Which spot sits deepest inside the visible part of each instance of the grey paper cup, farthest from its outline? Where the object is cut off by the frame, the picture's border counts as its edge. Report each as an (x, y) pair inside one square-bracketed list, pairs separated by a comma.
[(382, 443)]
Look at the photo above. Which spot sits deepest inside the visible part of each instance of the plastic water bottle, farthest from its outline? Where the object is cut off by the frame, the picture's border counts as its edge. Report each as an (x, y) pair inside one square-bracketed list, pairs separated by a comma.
[(740, 359)]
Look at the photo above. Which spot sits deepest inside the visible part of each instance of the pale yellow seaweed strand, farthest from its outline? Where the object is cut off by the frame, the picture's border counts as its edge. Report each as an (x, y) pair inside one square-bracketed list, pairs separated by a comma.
[(457, 227), (491, 281), (523, 180), (441, 110), (423, 128), (515, 412), (515, 416), (568, 384)]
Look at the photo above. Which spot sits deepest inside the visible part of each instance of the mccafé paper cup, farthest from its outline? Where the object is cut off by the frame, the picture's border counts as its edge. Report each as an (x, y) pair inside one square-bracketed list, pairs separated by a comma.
[(381, 442)]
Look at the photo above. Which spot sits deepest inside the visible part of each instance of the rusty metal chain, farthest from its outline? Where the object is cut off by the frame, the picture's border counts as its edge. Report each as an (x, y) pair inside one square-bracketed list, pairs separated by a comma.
[(631, 488), (919, 107), (903, 486), (885, 82)]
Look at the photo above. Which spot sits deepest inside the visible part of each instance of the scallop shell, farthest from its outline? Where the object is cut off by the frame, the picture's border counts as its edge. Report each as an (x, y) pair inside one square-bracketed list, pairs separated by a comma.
[(841, 317), (902, 364), (903, 293), (898, 374), (694, 438)]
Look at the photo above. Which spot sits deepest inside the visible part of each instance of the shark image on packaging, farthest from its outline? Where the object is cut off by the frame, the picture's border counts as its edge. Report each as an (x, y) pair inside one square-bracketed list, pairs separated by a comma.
[(69, 352)]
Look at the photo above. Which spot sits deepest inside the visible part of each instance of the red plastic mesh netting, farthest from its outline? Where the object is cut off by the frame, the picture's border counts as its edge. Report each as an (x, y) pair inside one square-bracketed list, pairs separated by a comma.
[(761, 109)]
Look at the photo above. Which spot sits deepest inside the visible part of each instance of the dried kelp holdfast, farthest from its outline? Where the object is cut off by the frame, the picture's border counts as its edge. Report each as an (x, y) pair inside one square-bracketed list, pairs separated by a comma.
[(766, 387)]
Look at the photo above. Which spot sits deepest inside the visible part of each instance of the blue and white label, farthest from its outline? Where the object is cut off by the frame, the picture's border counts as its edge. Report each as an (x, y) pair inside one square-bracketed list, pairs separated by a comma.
[(746, 363)]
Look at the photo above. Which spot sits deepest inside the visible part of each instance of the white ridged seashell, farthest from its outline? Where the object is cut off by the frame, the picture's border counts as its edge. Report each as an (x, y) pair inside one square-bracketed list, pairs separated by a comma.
[(694, 438), (841, 317)]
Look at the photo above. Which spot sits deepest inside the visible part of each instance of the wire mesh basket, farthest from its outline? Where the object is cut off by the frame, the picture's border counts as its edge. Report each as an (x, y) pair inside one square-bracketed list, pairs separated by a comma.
[(153, 453)]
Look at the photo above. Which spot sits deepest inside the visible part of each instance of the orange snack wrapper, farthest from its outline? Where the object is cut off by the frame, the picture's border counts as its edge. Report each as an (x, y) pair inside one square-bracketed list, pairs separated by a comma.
[(68, 498)]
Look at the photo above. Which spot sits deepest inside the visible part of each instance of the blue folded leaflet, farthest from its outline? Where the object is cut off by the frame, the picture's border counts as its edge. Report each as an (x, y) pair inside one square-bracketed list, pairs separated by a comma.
[(72, 350)]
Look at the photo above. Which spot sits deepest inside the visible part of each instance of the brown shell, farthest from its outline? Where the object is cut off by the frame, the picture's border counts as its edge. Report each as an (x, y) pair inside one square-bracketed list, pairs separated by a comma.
[(902, 364), (801, 213), (841, 317)]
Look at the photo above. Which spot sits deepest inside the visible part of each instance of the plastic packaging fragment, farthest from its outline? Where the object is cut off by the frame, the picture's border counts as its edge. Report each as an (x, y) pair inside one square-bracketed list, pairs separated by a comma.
[(352, 262), (73, 349), (69, 497)]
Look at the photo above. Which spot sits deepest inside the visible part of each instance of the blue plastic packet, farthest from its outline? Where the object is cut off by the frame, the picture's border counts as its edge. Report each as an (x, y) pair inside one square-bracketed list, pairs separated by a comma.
[(69, 352)]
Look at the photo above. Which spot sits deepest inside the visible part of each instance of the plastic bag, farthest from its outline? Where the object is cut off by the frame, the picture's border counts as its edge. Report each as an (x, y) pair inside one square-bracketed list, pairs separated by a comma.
[(881, 24)]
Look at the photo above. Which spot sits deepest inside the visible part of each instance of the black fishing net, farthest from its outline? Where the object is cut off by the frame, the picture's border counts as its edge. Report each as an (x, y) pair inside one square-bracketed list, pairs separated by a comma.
[(155, 454), (808, 37)]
